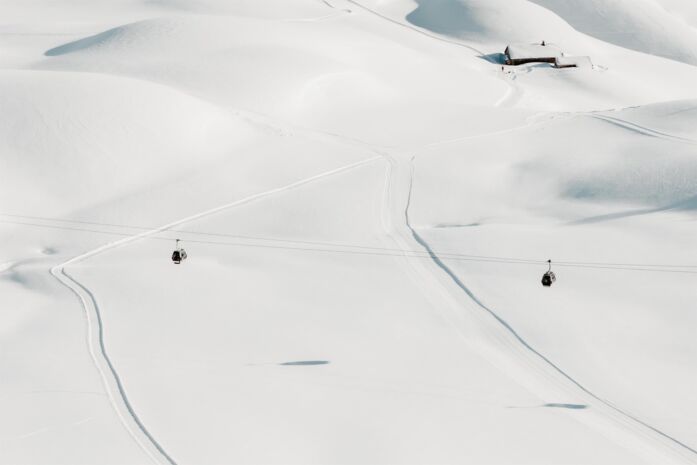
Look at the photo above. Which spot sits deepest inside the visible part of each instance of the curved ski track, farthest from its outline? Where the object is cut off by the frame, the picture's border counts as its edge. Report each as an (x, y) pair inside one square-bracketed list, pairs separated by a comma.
[(641, 129), (110, 377), (507, 349), (95, 327), (623, 427)]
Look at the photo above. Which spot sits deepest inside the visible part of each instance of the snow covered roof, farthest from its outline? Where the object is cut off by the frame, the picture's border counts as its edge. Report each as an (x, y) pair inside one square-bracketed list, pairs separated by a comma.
[(527, 51)]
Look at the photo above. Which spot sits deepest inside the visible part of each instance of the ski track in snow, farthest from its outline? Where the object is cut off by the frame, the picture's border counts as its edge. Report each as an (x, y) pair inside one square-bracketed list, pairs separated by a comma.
[(156, 452), (332, 6), (508, 345), (521, 127), (110, 377), (619, 420), (419, 30), (622, 423), (641, 129), (95, 327), (513, 92), (623, 427)]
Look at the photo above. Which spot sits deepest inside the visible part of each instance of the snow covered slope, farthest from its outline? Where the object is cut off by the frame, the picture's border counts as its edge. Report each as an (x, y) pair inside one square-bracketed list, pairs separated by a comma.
[(643, 25), (368, 198)]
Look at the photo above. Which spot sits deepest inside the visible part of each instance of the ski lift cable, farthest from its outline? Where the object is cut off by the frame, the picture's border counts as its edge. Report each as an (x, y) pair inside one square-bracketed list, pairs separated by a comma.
[(388, 252), (238, 236), (482, 258), (353, 246), (427, 255), (380, 252), (294, 241)]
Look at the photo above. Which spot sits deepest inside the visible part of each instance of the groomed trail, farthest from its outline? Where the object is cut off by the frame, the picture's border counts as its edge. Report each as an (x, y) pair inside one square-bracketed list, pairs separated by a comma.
[(458, 305), (112, 382), (505, 347)]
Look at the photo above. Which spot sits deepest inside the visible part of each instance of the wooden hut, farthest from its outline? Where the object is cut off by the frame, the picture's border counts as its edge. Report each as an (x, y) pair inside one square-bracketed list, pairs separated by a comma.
[(519, 54)]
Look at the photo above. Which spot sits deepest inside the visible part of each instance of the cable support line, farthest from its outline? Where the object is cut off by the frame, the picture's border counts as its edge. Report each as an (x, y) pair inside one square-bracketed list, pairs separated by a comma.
[(238, 236), (335, 244), (324, 247)]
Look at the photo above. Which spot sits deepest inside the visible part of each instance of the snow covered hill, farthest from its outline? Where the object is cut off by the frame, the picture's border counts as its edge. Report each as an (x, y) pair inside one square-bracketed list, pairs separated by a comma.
[(368, 198)]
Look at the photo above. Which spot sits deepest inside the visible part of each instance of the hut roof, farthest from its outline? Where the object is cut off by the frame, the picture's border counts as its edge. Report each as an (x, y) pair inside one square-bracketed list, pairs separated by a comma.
[(526, 51)]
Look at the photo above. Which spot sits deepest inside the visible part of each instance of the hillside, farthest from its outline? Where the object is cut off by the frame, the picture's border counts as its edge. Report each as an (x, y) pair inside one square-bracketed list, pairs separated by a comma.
[(368, 198)]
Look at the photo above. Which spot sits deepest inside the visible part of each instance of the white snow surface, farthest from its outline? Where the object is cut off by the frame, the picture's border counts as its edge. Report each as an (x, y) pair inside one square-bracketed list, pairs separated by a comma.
[(368, 199)]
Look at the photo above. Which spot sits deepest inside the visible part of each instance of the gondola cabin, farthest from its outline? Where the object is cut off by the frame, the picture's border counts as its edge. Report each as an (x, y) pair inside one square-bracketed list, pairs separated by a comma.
[(549, 277), (179, 254)]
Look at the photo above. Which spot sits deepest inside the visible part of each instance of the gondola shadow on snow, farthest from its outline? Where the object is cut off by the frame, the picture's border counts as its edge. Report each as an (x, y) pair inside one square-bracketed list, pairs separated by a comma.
[(304, 363), (567, 406), (556, 405)]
